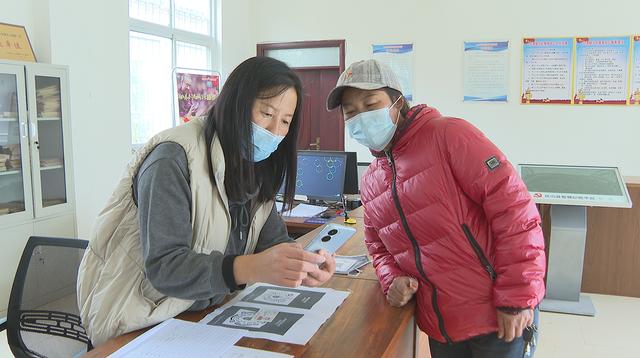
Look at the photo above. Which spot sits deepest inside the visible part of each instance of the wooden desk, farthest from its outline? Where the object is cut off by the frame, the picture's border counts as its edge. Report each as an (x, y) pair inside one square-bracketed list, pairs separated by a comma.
[(297, 226), (364, 326)]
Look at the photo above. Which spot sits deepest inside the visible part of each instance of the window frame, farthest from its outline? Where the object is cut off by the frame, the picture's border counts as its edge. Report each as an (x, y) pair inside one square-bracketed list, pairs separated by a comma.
[(210, 41)]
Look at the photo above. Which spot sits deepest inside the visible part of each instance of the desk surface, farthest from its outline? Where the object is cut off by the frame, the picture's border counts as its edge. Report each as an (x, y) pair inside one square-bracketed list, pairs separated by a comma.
[(297, 225), (632, 180), (365, 325)]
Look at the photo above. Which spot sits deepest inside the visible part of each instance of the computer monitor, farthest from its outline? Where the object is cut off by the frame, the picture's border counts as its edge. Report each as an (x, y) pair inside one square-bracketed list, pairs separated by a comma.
[(321, 175), (351, 174)]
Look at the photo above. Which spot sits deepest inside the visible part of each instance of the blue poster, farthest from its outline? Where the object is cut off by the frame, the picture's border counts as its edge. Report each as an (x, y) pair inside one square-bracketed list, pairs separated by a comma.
[(486, 71), (399, 57)]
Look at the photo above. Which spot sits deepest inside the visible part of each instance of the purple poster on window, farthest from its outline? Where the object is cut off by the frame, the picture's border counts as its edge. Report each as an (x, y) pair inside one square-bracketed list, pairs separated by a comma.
[(196, 92)]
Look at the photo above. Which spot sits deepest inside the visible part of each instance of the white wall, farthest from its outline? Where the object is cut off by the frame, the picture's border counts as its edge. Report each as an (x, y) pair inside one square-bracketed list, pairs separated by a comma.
[(237, 33), (19, 13), (29, 13), (571, 135), (92, 38)]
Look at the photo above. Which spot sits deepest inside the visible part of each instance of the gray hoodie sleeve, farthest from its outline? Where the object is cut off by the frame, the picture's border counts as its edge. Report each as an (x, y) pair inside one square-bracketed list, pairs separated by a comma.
[(163, 197), (273, 232)]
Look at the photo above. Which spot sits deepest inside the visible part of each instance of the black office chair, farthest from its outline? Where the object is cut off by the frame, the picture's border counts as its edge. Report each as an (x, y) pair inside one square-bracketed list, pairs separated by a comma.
[(43, 318)]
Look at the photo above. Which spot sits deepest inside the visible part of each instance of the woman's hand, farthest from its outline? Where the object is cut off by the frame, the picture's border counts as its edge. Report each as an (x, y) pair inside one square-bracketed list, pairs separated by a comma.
[(285, 264), (326, 270)]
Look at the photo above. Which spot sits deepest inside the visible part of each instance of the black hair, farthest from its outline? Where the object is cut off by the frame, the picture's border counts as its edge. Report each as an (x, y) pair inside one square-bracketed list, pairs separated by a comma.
[(230, 119), (394, 95)]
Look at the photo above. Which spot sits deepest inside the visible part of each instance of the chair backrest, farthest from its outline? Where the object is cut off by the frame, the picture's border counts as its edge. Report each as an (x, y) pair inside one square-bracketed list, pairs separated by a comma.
[(43, 317)]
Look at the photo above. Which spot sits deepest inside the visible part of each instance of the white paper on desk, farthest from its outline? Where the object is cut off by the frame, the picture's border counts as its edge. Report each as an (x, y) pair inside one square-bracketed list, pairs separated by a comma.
[(350, 265), (281, 314), (279, 206), (304, 211), (177, 338), (244, 352)]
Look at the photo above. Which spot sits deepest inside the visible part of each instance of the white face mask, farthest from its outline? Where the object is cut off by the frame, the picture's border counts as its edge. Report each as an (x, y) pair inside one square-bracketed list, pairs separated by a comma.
[(373, 129)]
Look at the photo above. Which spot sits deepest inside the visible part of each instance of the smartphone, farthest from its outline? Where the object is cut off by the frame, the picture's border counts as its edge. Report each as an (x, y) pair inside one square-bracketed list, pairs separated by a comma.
[(331, 238)]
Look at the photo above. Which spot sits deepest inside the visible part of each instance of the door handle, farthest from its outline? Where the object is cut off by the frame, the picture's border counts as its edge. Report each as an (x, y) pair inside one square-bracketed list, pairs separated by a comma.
[(24, 130), (316, 144)]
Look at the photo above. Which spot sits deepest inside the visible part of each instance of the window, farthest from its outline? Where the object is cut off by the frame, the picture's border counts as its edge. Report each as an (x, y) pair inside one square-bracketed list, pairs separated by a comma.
[(163, 35)]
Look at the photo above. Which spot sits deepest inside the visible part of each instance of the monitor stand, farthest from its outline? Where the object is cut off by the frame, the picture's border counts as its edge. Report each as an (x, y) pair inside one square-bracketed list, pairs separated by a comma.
[(566, 259)]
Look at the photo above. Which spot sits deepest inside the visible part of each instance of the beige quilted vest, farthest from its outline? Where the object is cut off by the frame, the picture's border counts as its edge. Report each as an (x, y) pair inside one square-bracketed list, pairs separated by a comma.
[(114, 295)]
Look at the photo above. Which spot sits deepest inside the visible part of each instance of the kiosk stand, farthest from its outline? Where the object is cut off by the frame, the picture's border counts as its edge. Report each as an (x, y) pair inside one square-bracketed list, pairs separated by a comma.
[(570, 190)]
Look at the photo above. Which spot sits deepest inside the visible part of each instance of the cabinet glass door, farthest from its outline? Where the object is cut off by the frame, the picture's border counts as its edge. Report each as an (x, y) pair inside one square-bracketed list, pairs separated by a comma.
[(49, 124), (15, 181), (50, 141)]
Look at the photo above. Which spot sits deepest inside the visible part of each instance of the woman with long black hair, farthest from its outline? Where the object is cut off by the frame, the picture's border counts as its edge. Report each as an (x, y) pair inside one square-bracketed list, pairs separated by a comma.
[(193, 219)]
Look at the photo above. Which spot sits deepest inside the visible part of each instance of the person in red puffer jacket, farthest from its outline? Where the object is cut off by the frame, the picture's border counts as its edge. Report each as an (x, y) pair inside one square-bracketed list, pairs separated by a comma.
[(447, 218)]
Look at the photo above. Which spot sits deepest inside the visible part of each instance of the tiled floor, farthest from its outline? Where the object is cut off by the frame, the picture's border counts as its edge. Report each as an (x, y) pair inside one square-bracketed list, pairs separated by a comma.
[(612, 333)]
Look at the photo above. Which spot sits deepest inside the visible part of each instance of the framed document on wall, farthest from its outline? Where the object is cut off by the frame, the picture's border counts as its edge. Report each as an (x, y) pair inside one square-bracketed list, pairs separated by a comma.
[(15, 44)]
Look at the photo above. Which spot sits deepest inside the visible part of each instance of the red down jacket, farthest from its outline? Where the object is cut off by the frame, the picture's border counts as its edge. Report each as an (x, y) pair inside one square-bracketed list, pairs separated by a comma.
[(446, 207)]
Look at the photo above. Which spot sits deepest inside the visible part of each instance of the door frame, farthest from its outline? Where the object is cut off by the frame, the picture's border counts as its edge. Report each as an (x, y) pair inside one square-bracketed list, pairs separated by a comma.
[(262, 48)]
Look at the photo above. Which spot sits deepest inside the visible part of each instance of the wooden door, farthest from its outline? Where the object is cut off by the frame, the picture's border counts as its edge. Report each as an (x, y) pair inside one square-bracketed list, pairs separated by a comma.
[(320, 129)]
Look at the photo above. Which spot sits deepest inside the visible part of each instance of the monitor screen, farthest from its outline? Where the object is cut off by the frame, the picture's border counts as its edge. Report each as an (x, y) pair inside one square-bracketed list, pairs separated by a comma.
[(575, 185), (320, 174)]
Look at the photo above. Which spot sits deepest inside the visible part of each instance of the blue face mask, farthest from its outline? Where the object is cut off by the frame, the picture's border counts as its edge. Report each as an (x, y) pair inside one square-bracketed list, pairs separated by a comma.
[(373, 129), (264, 143)]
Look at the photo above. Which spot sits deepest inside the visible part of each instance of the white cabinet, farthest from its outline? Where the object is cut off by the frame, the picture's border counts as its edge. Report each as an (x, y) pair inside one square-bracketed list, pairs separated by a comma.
[(36, 170)]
